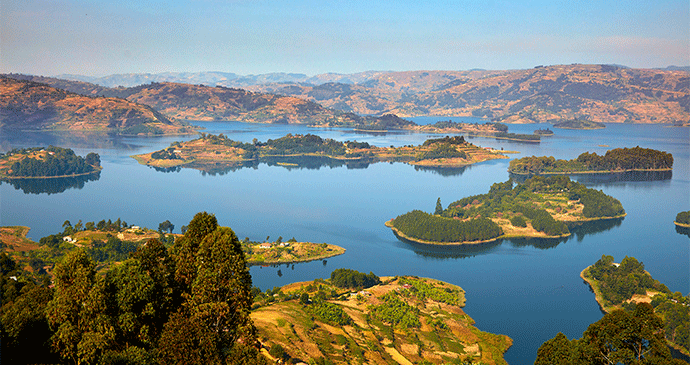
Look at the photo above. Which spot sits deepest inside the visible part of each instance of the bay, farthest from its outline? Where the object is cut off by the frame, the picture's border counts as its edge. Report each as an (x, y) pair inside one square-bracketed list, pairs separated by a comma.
[(527, 289)]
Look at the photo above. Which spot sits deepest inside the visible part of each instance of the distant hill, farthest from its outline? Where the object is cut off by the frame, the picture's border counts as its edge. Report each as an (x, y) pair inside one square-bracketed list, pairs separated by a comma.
[(601, 93), (36, 106), (206, 103)]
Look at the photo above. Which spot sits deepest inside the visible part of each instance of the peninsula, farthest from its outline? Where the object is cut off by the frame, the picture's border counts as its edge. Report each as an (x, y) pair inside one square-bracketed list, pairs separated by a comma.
[(50, 162), (614, 161), (210, 151), (622, 286), (387, 320), (540, 207)]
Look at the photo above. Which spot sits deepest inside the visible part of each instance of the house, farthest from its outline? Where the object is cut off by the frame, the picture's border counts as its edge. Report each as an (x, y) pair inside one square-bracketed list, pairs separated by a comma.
[(266, 245), (69, 239), (284, 244)]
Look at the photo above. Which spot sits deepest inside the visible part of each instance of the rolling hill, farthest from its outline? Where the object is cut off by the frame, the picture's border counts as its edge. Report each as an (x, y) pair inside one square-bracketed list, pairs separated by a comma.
[(28, 105)]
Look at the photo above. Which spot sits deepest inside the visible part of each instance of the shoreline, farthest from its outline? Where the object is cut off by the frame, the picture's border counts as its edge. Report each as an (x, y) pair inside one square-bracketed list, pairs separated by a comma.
[(684, 225), (335, 251), (4, 177), (503, 236), (587, 172)]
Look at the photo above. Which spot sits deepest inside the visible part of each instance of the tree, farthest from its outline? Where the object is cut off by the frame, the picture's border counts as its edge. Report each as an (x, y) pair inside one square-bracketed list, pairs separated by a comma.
[(67, 311), (556, 351), (439, 207), (618, 338), (166, 226)]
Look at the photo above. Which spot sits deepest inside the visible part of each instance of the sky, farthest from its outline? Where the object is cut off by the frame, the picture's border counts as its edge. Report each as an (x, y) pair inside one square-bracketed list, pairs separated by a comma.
[(248, 37)]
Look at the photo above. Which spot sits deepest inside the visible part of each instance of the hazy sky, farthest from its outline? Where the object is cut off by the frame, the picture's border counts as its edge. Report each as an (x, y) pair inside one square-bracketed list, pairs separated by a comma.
[(98, 37)]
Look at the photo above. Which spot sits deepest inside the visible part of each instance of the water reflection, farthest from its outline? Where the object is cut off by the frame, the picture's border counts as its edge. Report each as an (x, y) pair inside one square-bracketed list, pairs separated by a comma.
[(609, 177), (578, 231), (298, 163), (53, 185), (86, 140), (685, 231)]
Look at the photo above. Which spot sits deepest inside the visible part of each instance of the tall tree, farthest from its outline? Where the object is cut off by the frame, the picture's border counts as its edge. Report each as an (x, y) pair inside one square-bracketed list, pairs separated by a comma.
[(66, 312), (439, 207)]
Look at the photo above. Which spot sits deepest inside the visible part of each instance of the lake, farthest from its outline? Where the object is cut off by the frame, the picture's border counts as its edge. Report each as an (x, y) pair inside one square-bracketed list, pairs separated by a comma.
[(527, 289)]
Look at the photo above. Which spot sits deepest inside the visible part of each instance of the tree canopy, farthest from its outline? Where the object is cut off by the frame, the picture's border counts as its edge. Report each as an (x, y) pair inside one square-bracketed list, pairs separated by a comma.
[(189, 305)]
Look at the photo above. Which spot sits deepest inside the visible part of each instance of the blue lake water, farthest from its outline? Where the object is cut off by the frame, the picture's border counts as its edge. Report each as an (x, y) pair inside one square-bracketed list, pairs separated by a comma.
[(527, 289)]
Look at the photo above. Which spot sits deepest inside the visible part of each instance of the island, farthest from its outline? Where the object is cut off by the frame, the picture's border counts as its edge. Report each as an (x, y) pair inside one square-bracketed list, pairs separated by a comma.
[(614, 161), (488, 129), (683, 219), (361, 318), (291, 251), (543, 132), (539, 207), (579, 124), (622, 285), (209, 151), (49, 162)]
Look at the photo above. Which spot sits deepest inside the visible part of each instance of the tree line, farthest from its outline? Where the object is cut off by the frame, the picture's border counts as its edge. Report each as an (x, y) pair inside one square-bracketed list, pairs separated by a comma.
[(618, 159), (56, 162), (428, 227), (187, 304), (683, 217), (348, 278)]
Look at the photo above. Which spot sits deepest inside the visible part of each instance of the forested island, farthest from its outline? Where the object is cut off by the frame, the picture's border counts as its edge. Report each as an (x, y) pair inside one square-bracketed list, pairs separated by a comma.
[(622, 286), (360, 318), (209, 151), (49, 162), (615, 160), (539, 207), (683, 219), (579, 124)]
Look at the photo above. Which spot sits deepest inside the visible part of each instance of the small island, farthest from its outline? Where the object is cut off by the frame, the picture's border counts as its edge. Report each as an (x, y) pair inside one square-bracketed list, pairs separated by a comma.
[(291, 251), (579, 124), (622, 286), (614, 161), (540, 207), (683, 219), (209, 151), (488, 129), (49, 162), (543, 132), (360, 318)]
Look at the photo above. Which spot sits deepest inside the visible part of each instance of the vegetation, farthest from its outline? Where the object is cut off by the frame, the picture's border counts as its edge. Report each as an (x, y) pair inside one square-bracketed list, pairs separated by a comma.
[(683, 218), (619, 159), (579, 124), (47, 162), (428, 227), (347, 278), (620, 337), (539, 206), (189, 304), (287, 252), (399, 320), (619, 286)]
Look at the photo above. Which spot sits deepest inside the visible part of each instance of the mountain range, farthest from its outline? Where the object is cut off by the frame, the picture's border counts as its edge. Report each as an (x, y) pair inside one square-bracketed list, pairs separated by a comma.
[(598, 93)]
